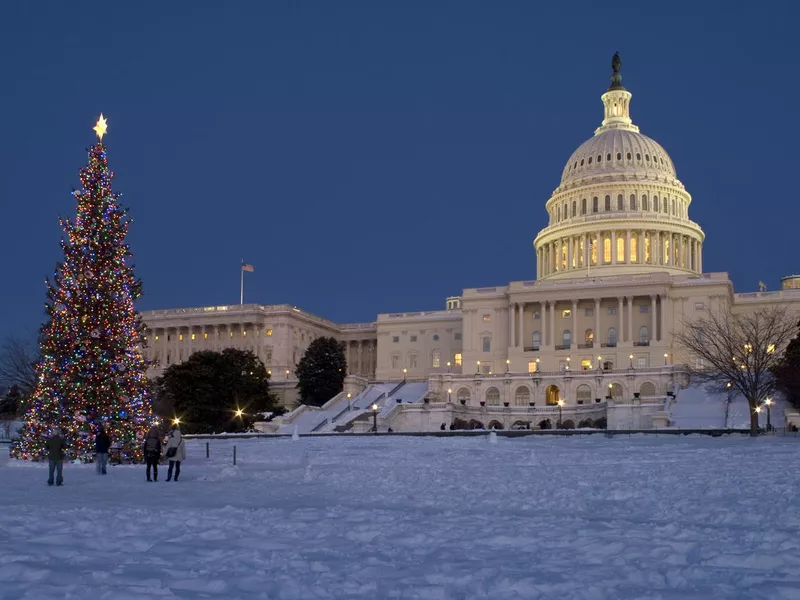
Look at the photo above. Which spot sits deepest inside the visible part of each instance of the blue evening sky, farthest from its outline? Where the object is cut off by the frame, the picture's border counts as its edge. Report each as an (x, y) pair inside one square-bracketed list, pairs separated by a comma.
[(374, 156)]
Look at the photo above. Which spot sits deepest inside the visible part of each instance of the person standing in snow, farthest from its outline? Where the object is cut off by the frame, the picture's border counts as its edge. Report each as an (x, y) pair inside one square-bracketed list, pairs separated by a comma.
[(55, 455), (101, 445), (152, 452), (175, 452)]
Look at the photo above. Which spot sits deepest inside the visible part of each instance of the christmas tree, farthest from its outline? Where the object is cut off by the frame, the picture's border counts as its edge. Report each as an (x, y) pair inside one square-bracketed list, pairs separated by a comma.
[(91, 372)]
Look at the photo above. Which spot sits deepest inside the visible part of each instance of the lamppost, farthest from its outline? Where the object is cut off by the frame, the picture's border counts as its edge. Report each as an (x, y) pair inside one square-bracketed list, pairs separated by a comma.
[(404, 374), (286, 387), (449, 392), (768, 402), (375, 418), (349, 407), (758, 412), (448, 366), (599, 364), (665, 358), (478, 368), (631, 357), (560, 406), (508, 364)]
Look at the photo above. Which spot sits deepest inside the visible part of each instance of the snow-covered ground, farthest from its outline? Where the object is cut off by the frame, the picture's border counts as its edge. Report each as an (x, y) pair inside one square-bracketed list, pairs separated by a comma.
[(652, 517)]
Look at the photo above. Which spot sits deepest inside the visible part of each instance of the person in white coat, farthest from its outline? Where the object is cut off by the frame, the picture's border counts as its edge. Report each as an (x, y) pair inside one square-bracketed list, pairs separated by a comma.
[(175, 452)]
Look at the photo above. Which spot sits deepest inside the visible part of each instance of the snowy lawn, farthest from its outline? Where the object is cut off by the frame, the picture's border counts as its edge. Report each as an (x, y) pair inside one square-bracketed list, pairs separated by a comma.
[(641, 517)]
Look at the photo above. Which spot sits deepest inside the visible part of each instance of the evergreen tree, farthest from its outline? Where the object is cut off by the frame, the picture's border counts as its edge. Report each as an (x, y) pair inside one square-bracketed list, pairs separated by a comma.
[(215, 392), (787, 372), (91, 371), (321, 371)]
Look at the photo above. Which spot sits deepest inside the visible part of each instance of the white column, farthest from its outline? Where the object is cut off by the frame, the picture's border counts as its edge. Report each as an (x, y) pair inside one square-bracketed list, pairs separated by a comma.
[(700, 257), (545, 339), (630, 319), (575, 337), (596, 317), (653, 319), (613, 247), (511, 316), (520, 341), (585, 252), (664, 314), (619, 320), (640, 249), (552, 323), (569, 253)]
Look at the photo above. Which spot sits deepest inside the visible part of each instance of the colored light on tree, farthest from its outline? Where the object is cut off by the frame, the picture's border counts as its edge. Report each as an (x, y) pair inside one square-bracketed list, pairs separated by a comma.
[(91, 371)]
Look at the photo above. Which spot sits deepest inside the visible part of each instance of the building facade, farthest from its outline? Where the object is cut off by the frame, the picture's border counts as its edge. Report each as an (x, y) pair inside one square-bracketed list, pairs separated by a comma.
[(619, 269)]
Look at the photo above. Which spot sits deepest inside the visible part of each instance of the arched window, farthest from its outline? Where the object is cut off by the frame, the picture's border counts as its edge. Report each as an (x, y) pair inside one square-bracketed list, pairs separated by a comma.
[(593, 247), (595, 204), (655, 203), (566, 212), (558, 214), (620, 203), (566, 338), (612, 337), (463, 394), (644, 335), (588, 336), (608, 156), (536, 340), (620, 248), (522, 396), (664, 204), (615, 391), (574, 208), (674, 208), (619, 155), (436, 359), (583, 206), (647, 390), (607, 250), (633, 201), (493, 396), (583, 394), (608, 203), (644, 203)]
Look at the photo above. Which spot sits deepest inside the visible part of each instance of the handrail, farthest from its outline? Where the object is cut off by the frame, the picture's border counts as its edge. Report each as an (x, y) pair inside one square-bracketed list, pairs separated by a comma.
[(320, 426)]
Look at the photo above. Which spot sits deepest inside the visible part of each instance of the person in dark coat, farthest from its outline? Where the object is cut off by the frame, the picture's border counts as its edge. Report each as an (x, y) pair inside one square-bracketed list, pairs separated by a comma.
[(55, 455), (152, 452), (101, 445)]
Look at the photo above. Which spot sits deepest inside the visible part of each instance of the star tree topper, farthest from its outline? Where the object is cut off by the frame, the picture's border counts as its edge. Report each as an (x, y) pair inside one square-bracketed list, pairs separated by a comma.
[(101, 127)]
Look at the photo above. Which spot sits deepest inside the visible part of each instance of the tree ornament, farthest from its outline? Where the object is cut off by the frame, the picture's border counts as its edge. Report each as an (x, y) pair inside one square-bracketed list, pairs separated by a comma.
[(95, 333)]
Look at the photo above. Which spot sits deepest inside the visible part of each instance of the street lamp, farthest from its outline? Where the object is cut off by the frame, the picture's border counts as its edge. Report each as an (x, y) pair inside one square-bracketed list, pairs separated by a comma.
[(478, 368), (375, 418), (768, 402), (599, 358), (404, 374), (560, 406), (508, 364), (349, 408), (631, 357), (449, 391), (239, 412), (176, 421), (448, 366), (665, 358)]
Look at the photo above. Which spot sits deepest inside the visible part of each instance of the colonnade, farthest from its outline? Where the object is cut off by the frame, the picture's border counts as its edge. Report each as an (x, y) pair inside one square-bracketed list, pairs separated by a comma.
[(613, 247)]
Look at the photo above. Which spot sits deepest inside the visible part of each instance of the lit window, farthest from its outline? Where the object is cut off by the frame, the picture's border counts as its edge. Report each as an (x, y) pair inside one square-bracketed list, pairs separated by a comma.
[(457, 359), (588, 336), (231, 334), (566, 313), (699, 306), (194, 337), (487, 318), (413, 338), (635, 249), (771, 349), (269, 332), (180, 337), (205, 336), (586, 364), (620, 249), (593, 247), (533, 366), (487, 344), (436, 359), (395, 339), (607, 250)]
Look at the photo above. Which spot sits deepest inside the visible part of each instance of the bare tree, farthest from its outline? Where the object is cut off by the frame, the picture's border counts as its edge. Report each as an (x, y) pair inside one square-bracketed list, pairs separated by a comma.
[(18, 365), (738, 352)]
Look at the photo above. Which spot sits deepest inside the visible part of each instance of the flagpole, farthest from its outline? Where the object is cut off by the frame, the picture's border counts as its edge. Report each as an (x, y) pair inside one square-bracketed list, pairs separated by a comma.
[(241, 285)]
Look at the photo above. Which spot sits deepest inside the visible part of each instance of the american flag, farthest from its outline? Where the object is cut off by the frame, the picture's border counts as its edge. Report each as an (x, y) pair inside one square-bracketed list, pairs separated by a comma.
[(248, 268)]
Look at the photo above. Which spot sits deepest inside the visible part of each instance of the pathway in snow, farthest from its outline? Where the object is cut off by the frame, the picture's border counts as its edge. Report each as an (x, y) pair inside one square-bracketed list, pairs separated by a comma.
[(639, 517)]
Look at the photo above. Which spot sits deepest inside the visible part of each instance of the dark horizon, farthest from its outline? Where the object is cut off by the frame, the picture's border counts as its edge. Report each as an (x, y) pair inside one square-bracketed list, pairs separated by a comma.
[(374, 158)]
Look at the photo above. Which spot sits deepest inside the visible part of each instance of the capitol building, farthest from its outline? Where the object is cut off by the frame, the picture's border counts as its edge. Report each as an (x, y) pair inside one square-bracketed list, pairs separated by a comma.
[(619, 268)]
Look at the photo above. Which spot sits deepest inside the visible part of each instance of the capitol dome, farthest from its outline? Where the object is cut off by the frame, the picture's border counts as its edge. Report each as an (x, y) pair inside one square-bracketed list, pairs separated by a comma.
[(620, 207)]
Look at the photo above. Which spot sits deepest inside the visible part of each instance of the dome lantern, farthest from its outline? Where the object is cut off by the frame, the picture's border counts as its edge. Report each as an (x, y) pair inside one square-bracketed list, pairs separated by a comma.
[(617, 102)]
